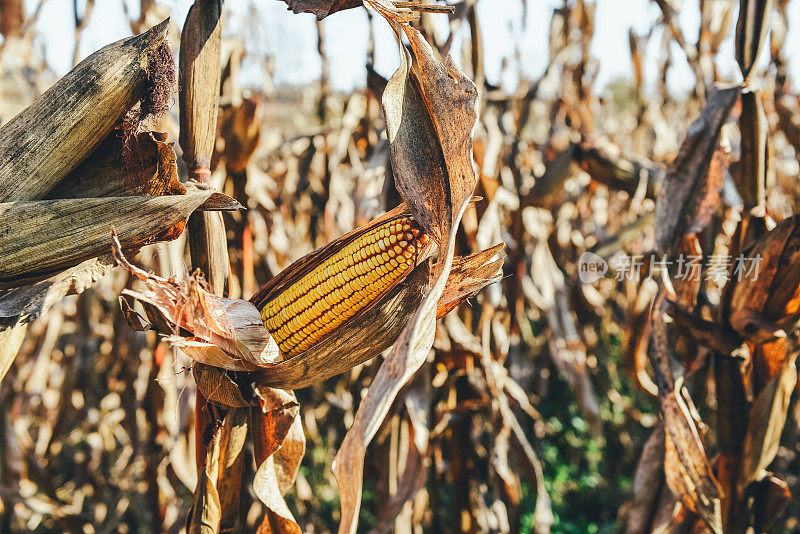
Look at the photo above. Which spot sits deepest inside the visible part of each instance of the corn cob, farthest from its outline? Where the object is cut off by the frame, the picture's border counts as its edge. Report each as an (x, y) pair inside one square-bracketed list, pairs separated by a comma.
[(342, 285)]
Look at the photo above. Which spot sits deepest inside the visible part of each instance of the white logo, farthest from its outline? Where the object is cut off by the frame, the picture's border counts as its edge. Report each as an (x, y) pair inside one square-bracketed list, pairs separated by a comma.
[(591, 267)]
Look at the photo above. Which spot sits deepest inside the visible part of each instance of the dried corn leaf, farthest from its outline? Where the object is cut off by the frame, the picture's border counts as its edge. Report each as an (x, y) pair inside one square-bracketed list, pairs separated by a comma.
[(751, 178), (321, 8), (648, 483), (763, 306), (231, 463), (765, 425), (199, 60), (205, 515), (751, 32), (468, 276), (30, 302), (607, 166), (690, 193), (688, 471), (430, 113), (277, 425)]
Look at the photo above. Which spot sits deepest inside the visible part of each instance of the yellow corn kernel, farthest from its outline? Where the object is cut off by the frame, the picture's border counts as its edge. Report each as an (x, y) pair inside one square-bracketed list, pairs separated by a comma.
[(342, 285)]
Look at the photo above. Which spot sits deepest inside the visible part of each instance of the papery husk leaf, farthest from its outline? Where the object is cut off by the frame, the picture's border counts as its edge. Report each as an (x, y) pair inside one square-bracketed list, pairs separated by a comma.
[(41, 238), (146, 165), (690, 193), (765, 425), (227, 333), (50, 138), (225, 388), (276, 424)]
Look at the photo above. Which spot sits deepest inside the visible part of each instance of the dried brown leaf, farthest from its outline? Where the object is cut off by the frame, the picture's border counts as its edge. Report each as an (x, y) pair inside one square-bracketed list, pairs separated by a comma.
[(275, 425), (765, 425), (430, 113), (690, 192), (688, 471), (145, 165), (751, 178), (768, 301)]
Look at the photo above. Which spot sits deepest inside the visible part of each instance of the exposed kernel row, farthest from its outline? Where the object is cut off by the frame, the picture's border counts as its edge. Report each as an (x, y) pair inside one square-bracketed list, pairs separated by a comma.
[(342, 285)]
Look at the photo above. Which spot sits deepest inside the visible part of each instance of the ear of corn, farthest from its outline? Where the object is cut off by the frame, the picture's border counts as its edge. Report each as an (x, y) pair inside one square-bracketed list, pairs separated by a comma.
[(342, 285)]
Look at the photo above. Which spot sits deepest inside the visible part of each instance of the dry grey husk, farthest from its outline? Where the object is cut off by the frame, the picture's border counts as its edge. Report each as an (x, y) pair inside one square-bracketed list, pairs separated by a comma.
[(52, 136), (41, 238)]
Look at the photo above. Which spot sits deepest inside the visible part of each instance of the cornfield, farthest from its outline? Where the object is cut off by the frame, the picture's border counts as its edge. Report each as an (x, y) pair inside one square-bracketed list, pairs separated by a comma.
[(447, 300)]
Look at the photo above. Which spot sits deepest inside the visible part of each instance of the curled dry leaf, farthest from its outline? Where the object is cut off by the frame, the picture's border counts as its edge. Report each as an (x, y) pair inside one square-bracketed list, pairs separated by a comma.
[(765, 424), (767, 303), (279, 446), (688, 471), (41, 238), (690, 193), (430, 113), (469, 275)]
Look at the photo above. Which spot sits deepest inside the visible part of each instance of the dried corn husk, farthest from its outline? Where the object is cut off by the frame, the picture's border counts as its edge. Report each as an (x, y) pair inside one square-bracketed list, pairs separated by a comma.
[(143, 165), (52, 136)]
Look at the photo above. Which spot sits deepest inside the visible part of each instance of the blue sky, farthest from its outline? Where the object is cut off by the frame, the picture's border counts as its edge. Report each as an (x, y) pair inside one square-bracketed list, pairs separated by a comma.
[(267, 27)]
